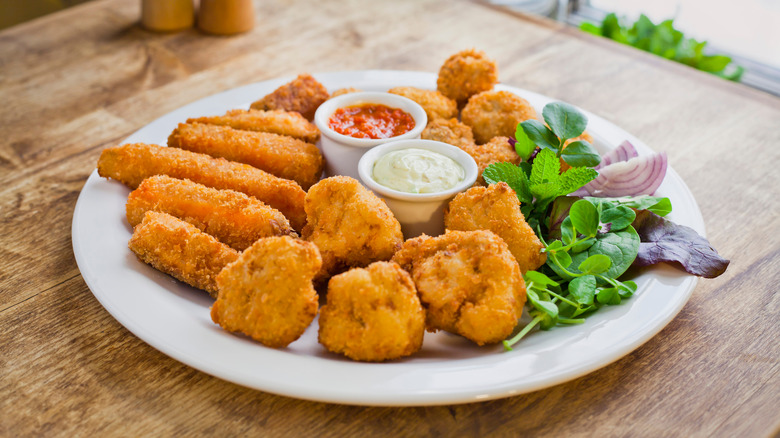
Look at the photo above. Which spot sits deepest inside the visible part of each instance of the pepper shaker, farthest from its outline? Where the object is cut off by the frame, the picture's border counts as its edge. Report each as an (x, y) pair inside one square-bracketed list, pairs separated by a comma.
[(167, 15), (226, 17)]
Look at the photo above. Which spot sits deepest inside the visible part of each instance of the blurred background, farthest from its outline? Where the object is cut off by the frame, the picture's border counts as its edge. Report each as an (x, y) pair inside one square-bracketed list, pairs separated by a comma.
[(699, 33)]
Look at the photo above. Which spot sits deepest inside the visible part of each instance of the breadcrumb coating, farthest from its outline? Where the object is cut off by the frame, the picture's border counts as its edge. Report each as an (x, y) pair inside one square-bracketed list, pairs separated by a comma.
[(278, 155), (350, 225), (497, 150), (280, 122), (449, 131), (132, 163), (496, 113), (468, 281), (232, 217), (267, 294), (180, 250), (435, 104), (465, 74), (302, 95), (497, 209), (372, 314)]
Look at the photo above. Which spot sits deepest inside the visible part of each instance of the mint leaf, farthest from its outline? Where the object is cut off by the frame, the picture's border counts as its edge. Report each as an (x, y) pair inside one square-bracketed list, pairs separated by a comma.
[(513, 176), (580, 154), (574, 178), (546, 168), (564, 120)]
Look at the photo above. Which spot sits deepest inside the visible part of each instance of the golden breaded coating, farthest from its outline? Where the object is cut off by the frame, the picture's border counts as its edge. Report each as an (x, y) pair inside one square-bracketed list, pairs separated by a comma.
[(468, 282), (372, 314), (449, 131), (267, 294), (496, 208), (496, 113), (346, 90), (181, 250), (465, 74), (302, 95), (234, 218), (132, 163), (435, 104), (350, 225), (280, 122), (278, 155), (497, 150)]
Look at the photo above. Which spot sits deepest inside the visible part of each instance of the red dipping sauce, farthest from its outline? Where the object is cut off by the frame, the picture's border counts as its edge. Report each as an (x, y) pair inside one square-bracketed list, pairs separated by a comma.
[(371, 121)]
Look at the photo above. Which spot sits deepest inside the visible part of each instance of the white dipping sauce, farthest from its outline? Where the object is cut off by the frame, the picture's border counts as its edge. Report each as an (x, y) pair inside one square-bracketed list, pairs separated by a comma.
[(417, 171)]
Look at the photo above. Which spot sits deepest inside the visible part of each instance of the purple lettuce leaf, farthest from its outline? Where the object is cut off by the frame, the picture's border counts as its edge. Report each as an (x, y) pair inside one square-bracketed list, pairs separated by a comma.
[(662, 240)]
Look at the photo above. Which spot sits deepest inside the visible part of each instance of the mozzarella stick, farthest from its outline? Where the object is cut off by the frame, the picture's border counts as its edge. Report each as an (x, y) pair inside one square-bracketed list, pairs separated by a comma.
[(132, 163), (232, 217), (180, 250), (279, 122), (278, 155)]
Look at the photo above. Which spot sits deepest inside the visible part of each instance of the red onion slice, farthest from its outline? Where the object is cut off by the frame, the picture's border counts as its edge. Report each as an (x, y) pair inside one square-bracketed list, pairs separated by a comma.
[(635, 177), (624, 152)]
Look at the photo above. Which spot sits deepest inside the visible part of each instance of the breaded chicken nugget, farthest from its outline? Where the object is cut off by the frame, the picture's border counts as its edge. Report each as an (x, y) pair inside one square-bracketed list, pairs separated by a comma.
[(267, 294), (465, 74), (346, 90), (132, 163), (497, 150), (280, 122), (350, 225), (302, 95), (181, 250), (232, 217), (435, 104), (496, 208), (372, 314), (496, 113), (468, 282), (449, 131), (278, 155)]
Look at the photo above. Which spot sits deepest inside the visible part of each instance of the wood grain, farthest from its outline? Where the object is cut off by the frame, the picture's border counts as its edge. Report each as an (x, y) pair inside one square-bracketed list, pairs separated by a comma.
[(81, 80)]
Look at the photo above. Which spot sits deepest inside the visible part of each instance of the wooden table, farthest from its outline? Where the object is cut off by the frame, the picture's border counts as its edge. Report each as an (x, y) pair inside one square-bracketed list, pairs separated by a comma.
[(81, 80)]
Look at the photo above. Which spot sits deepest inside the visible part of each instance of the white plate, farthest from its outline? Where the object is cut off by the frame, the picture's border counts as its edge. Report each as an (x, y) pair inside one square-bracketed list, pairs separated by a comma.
[(174, 318)]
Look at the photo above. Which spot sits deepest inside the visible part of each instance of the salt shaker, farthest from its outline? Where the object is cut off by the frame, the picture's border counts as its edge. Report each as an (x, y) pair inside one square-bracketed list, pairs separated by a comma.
[(226, 17), (167, 15)]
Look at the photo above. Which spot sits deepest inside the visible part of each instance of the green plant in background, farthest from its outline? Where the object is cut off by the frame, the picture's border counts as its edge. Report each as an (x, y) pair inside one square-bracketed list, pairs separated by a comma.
[(664, 40)]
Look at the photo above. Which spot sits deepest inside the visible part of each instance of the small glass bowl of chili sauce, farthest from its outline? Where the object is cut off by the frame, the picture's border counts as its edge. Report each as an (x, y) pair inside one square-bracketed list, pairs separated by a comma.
[(353, 123)]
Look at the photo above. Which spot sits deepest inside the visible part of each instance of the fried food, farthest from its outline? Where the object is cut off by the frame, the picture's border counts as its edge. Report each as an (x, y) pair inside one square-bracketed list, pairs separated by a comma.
[(497, 150), (346, 90), (180, 250), (435, 104), (132, 163), (468, 282), (280, 122), (449, 131), (278, 155), (302, 95), (232, 217), (457, 134), (465, 74), (350, 225), (372, 314), (496, 113), (497, 209), (267, 294)]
